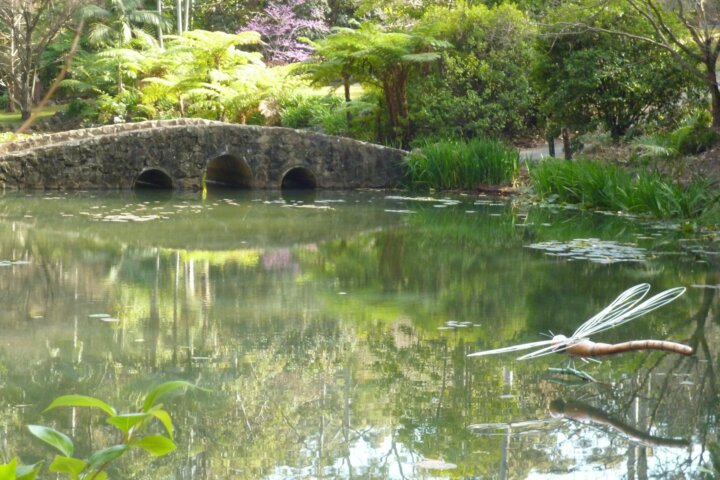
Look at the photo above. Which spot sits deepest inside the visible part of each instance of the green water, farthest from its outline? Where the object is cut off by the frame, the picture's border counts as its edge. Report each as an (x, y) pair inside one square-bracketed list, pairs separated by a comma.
[(332, 331)]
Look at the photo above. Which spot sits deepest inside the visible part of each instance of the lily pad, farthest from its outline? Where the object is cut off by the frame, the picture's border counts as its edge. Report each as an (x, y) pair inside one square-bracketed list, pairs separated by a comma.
[(593, 250)]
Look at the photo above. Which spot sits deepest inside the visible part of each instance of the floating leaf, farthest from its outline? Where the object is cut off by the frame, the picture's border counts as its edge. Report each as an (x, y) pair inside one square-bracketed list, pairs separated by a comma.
[(592, 249), (127, 421), (53, 438), (69, 465), (155, 444), (81, 401), (432, 464)]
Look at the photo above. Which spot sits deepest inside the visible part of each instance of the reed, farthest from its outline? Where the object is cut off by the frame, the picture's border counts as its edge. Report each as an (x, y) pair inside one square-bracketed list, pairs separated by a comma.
[(456, 164), (608, 187)]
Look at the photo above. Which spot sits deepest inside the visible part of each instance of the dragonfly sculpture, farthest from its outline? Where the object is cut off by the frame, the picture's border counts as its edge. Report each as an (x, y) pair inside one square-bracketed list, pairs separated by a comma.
[(626, 307)]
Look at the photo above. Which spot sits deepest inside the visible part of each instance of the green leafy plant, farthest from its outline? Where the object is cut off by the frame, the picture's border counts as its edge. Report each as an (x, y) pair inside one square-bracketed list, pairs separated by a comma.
[(132, 428)]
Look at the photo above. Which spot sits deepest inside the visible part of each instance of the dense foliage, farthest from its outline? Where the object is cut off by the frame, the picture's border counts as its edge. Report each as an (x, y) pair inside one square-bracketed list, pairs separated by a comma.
[(423, 70), (406, 74), (481, 86), (592, 78)]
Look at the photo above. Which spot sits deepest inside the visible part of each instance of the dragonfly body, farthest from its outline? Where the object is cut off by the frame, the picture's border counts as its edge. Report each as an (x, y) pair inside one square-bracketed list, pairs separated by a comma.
[(587, 348), (627, 306)]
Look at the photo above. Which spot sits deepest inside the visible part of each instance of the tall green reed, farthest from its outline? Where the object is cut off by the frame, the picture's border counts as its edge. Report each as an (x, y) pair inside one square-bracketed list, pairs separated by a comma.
[(605, 186), (456, 164)]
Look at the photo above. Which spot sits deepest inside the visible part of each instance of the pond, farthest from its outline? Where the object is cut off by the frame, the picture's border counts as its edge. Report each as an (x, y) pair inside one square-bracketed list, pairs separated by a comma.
[(332, 332)]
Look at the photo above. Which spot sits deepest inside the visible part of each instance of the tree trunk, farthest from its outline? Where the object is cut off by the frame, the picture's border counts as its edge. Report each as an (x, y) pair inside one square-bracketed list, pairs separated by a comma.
[(10, 108), (159, 28), (551, 146), (121, 87), (715, 100), (179, 16), (392, 107), (404, 110), (395, 86), (187, 15), (566, 143), (26, 95), (346, 87), (26, 76)]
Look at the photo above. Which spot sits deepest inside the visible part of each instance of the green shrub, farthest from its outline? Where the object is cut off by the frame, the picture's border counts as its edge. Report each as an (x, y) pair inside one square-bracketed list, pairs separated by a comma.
[(691, 140), (480, 87), (108, 108), (605, 186), (3, 101), (454, 164), (78, 107), (328, 114), (696, 135), (306, 111)]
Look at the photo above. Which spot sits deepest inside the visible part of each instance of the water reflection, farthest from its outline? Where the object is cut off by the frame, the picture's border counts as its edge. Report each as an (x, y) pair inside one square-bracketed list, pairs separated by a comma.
[(317, 331)]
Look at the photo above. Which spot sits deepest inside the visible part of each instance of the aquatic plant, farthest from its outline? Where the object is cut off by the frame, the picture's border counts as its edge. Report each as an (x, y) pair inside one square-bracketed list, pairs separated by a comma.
[(606, 186), (131, 426), (457, 164)]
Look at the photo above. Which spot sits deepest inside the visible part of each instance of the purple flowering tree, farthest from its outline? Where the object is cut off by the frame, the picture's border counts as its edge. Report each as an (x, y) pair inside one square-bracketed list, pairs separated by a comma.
[(282, 23)]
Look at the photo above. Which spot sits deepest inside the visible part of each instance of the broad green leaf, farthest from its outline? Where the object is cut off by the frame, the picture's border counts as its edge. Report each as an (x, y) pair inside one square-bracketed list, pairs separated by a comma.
[(155, 444), (80, 401), (164, 389), (27, 472), (7, 470), (53, 438), (106, 455), (69, 465), (127, 421), (164, 417), (100, 476)]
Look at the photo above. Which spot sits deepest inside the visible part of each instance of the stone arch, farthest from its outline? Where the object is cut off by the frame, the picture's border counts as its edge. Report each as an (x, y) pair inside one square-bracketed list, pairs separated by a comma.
[(155, 178), (228, 171), (298, 178)]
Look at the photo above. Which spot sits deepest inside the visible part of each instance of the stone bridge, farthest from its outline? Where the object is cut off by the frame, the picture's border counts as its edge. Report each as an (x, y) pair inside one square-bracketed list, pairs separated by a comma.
[(181, 153)]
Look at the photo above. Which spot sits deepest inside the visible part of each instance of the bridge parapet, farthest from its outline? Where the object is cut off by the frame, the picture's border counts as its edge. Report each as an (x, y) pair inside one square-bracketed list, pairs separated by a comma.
[(70, 135), (182, 153)]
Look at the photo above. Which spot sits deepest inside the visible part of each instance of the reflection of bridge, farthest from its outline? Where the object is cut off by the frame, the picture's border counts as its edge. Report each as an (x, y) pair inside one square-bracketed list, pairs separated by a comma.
[(179, 153)]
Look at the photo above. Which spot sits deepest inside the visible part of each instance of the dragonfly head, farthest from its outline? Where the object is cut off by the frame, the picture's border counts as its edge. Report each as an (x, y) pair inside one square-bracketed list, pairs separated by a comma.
[(557, 408), (558, 341)]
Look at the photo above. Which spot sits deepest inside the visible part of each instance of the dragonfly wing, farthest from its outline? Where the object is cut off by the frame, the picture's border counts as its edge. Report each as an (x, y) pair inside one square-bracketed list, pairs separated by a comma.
[(621, 305), (652, 303), (514, 348), (556, 348)]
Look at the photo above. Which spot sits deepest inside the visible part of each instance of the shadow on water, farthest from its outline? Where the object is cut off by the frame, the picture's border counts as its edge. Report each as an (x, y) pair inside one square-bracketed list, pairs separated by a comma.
[(299, 195), (155, 195)]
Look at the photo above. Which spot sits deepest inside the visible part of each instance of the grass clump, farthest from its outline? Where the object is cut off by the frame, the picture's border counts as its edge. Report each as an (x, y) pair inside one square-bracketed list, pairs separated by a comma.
[(456, 164), (608, 187)]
